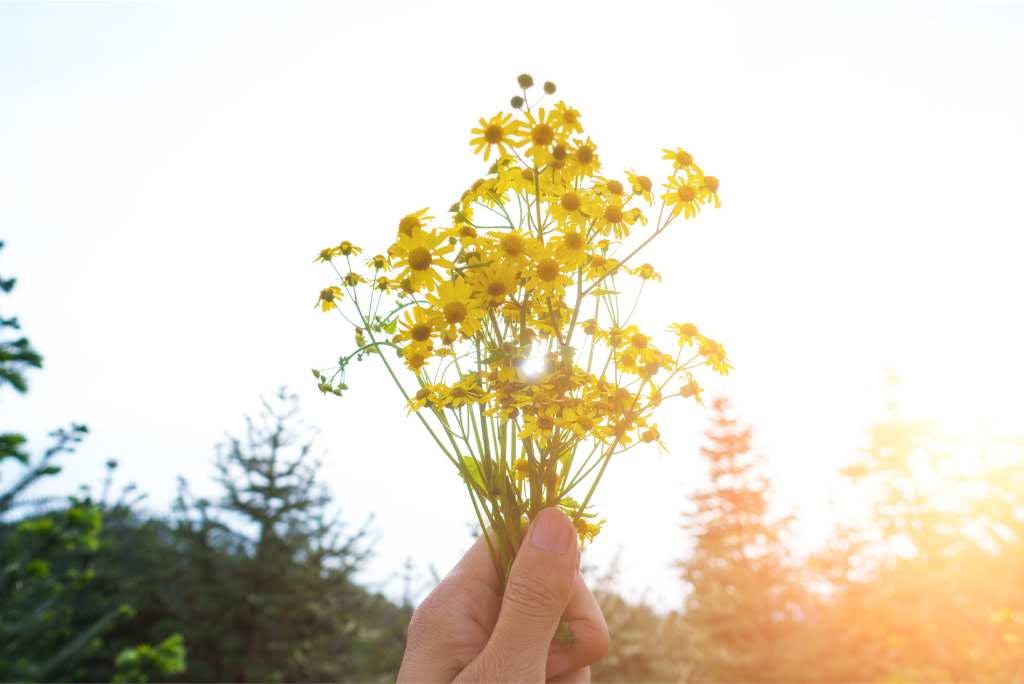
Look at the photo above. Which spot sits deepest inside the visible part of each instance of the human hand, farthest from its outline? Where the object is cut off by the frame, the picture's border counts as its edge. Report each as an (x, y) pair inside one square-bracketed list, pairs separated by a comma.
[(466, 630)]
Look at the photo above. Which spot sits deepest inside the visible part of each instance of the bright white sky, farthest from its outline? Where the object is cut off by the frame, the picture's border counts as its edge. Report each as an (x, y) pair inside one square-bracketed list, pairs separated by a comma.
[(167, 174)]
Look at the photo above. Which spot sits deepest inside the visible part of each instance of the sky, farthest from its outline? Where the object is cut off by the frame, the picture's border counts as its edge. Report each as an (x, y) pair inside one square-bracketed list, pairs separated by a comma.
[(169, 171)]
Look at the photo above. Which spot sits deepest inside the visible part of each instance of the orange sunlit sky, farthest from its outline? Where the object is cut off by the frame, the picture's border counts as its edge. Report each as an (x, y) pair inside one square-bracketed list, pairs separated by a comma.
[(168, 173)]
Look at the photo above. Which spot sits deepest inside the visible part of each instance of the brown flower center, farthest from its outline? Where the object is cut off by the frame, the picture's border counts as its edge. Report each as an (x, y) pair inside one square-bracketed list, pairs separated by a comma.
[(685, 193), (513, 245), (574, 240), (570, 201), (496, 289), (420, 258), (494, 134), (455, 312), (420, 332), (547, 269), (613, 214), (585, 154), (542, 134)]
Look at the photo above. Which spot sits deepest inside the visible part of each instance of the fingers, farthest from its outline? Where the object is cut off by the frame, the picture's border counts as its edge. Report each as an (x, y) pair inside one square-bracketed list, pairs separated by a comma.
[(537, 593), (451, 626), (589, 630)]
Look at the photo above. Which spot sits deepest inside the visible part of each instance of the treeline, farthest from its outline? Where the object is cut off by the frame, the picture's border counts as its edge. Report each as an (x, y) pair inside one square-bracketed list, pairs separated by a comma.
[(258, 583), (927, 587)]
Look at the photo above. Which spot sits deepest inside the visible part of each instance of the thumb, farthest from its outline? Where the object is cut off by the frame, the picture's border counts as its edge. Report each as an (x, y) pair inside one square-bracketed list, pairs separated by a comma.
[(537, 593)]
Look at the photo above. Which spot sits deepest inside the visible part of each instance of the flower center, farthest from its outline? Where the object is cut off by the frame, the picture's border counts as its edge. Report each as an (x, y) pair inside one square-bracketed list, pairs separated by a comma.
[(513, 245), (494, 134), (496, 289), (585, 155), (420, 258), (570, 201), (542, 134), (455, 312), (613, 214), (458, 393), (615, 187), (547, 269), (545, 423), (574, 240), (645, 183), (420, 332), (685, 193), (639, 341), (559, 152), (585, 422), (711, 183), (327, 295)]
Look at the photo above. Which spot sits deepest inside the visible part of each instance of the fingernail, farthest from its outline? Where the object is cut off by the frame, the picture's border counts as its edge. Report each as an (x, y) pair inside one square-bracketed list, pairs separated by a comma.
[(552, 531)]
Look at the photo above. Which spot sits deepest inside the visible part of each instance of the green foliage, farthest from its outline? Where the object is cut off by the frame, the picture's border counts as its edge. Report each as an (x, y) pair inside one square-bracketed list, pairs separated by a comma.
[(136, 665), (16, 353)]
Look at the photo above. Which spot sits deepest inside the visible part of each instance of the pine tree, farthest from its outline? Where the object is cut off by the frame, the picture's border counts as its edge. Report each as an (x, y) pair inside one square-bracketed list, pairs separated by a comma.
[(742, 605), (264, 589)]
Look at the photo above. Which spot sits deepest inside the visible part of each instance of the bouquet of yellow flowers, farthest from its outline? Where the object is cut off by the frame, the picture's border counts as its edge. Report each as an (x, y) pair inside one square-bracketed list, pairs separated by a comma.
[(505, 328)]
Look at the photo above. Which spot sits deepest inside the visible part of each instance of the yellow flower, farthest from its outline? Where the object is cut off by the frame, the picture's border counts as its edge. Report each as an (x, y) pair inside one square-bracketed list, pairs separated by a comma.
[(687, 332), (538, 133), (714, 355), (520, 470), (692, 389), (425, 396), (646, 272), (421, 255), (571, 248), (583, 160), (586, 530), (466, 391), (417, 326), (641, 185), (413, 222), (682, 196), (497, 132), (346, 248), (329, 297), (573, 207), (378, 262), (415, 357), (496, 282), (353, 279), (583, 421), (709, 190), (325, 255), (680, 158), (614, 219), (512, 246), (458, 308), (538, 426), (545, 277), (566, 119)]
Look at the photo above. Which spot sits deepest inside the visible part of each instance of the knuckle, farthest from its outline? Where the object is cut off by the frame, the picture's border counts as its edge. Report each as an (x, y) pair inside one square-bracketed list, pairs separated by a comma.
[(533, 596)]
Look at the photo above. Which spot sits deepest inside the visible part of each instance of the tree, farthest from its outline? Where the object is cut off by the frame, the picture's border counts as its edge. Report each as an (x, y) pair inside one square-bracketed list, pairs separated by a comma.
[(743, 605), (262, 580), (47, 630)]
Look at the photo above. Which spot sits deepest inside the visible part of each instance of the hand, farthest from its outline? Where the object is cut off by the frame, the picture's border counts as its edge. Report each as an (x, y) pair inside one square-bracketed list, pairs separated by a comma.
[(466, 630)]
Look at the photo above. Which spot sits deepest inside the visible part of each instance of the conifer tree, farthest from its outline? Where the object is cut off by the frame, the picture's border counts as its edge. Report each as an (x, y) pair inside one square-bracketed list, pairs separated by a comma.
[(741, 608)]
